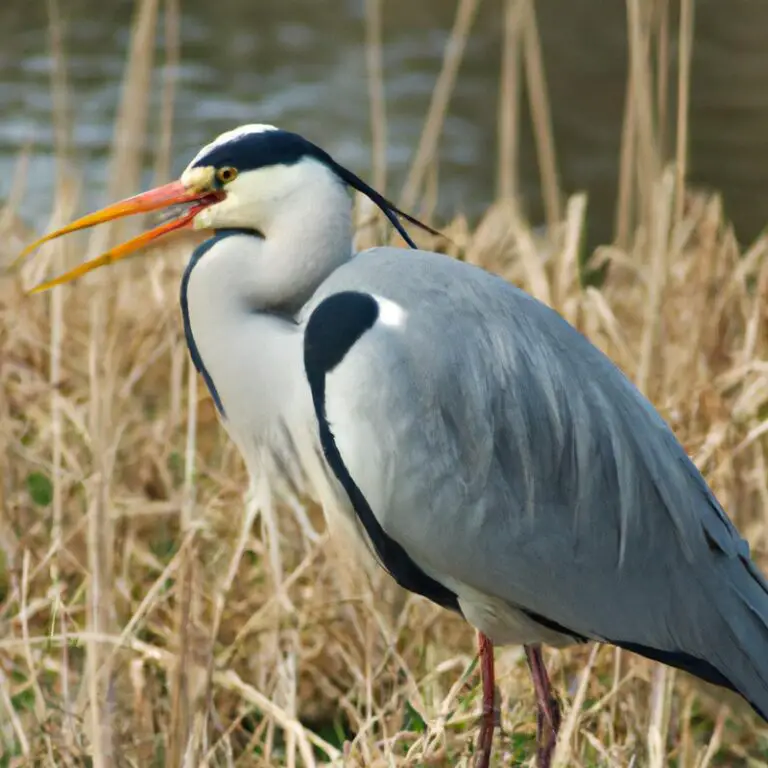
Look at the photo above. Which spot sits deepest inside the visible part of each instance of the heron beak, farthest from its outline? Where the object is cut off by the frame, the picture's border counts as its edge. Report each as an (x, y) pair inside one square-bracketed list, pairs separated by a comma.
[(195, 192)]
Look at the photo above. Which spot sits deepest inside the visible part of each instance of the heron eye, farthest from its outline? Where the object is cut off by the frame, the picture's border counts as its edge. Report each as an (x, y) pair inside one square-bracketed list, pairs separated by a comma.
[(226, 174)]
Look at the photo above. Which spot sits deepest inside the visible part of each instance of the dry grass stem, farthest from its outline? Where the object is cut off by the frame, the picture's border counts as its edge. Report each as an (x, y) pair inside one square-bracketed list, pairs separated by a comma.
[(509, 98), (540, 116), (374, 62), (661, 18), (564, 752), (684, 53), (647, 156), (438, 107)]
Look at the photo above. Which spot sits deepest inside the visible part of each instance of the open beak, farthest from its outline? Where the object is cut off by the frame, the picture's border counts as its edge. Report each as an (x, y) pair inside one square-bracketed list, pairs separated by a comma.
[(195, 198)]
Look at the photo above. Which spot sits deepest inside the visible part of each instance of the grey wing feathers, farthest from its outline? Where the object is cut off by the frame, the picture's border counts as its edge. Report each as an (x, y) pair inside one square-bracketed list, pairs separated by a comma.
[(517, 459)]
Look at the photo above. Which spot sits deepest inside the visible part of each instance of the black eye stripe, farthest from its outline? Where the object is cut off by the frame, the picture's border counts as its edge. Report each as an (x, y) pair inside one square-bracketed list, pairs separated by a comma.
[(259, 150)]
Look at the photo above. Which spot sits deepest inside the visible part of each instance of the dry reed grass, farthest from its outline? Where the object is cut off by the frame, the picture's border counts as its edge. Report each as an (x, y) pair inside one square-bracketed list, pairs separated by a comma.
[(141, 618)]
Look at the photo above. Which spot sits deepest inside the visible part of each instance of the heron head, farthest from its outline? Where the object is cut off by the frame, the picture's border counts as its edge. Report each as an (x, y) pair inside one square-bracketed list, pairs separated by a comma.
[(243, 179), (261, 173)]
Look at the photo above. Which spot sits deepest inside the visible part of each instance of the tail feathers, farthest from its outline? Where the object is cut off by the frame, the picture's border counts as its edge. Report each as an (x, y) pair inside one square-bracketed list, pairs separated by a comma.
[(681, 660), (740, 651), (721, 634), (730, 644)]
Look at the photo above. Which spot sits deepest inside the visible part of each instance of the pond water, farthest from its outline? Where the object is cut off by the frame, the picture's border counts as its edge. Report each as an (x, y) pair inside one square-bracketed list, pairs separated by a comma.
[(300, 64)]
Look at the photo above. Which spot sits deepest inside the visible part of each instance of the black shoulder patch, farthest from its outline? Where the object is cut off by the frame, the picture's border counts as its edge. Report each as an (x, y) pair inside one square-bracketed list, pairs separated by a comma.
[(194, 352), (333, 328)]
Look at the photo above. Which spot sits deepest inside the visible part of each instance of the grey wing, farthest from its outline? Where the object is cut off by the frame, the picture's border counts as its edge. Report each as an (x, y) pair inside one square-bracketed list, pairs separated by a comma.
[(505, 454)]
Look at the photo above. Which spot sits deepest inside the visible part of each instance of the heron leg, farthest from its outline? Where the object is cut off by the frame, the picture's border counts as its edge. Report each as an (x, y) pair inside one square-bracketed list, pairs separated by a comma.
[(490, 717), (548, 710)]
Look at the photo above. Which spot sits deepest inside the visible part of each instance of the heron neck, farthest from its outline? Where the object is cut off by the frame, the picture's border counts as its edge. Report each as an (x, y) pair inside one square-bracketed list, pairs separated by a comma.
[(242, 290), (303, 245)]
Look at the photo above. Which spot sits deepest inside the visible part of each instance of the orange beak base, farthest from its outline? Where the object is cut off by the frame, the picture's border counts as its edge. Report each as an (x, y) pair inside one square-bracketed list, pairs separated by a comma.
[(167, 195)]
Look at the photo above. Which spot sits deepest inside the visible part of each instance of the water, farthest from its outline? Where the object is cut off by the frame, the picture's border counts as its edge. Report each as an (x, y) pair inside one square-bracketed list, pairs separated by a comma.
[(300, 64)]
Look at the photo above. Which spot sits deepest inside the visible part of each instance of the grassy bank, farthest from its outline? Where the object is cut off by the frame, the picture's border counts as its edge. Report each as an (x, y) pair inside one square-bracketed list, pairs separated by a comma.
[(146, 620)]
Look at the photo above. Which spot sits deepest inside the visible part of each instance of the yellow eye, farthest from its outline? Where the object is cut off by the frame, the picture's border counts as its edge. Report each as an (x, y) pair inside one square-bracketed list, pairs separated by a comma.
[(226, 174)]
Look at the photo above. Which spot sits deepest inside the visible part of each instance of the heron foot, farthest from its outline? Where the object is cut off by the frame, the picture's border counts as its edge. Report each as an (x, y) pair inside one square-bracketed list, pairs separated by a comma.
[(548, 716)]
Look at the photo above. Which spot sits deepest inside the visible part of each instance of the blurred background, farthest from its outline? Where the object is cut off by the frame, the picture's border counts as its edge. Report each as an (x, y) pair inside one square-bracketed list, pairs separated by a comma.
[(301, 64)]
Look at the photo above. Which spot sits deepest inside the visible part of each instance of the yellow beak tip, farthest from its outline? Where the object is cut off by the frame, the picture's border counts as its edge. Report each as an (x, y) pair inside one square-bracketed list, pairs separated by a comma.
[(160, 197)]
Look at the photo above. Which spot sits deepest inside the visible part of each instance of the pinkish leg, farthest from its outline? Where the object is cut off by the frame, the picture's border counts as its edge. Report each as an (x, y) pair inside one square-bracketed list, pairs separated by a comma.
[(490, 715), (548, 714)]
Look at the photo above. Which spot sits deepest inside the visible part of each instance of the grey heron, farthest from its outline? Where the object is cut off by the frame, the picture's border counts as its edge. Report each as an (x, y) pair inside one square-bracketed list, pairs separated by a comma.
[(467, 438)]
